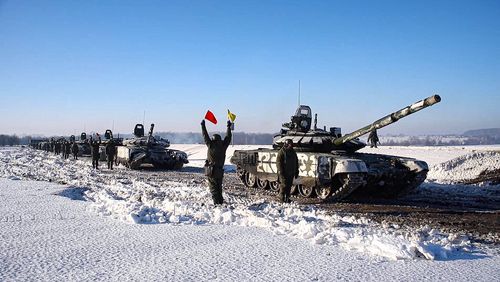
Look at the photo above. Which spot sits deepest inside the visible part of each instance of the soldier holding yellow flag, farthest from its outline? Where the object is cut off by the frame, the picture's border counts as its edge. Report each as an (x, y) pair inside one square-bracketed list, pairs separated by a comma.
[(216, 156)]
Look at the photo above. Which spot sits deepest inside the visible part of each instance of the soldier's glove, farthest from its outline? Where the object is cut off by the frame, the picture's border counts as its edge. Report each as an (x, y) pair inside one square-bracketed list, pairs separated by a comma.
[(202, 122), (228, 123)]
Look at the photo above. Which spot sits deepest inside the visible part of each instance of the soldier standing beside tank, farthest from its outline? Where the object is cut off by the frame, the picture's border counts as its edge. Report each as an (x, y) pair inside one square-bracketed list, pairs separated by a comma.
[(110, 153), (288, 169), (74, 150), (94, 150), (216, 156), (373, 138)]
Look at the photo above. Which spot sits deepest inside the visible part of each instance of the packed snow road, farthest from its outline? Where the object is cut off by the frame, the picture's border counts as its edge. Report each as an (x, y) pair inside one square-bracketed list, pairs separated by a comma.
[(181, 198)]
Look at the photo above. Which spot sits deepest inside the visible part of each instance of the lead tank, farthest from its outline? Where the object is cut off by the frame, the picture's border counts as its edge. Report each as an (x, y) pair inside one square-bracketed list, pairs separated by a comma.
[(149, 150), (330, 166)]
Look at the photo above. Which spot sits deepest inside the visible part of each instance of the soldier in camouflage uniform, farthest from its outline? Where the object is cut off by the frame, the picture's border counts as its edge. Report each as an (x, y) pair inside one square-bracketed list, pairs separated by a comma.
[(216, 156), (373, 138), (68, 149), (288, 169), (94, 149), (110, 153), (74, 150)]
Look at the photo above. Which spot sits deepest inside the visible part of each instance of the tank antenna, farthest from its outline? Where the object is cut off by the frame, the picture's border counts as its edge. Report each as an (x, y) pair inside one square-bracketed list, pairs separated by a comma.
[(113, 126), (144, 117), (299, 92)]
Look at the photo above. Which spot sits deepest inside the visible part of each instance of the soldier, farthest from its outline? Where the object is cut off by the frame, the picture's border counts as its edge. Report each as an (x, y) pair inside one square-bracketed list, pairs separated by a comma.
[(63, 149), (58, 147), (68, 149), (110, 153), (373, 138), (94, 149), (216, 156), (288, 168), (74, 150), (52, 145)]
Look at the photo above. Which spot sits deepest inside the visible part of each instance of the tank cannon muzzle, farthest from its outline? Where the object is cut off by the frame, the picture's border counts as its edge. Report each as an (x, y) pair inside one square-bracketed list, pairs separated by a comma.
[(389, 119)]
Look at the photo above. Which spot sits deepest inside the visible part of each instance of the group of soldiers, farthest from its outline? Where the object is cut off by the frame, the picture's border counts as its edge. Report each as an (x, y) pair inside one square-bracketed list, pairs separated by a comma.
[(109, 149), (64, 148), (60, 146)]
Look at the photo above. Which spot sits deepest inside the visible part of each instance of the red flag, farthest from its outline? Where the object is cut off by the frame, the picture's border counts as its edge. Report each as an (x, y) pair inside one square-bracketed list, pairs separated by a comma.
[(211, 117)]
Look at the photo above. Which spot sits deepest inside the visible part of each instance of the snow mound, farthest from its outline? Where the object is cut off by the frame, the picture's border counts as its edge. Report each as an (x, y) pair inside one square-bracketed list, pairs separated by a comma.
[(466, 167)]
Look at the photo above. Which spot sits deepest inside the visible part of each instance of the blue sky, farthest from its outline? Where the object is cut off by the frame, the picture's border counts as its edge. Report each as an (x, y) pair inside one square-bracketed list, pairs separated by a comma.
[(70, 65)]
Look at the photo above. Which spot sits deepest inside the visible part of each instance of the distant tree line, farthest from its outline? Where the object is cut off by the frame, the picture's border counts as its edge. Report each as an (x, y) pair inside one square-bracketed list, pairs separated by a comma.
[(439, 140), (11, 140)]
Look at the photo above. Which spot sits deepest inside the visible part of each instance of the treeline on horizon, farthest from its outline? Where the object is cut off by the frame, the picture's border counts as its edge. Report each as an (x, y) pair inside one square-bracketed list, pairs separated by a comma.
[(243, 138)]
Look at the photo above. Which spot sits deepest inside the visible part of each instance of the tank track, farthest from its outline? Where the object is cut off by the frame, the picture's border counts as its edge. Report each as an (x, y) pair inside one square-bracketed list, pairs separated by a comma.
[(348, 183)]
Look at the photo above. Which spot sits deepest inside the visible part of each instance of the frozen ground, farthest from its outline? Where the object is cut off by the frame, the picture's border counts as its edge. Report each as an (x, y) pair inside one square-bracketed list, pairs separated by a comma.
[(317, 245)]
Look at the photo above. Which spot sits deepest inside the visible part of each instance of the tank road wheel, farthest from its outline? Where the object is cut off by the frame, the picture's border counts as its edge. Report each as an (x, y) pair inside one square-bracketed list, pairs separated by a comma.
[(305, 191), (240, 173), (263, 184), (250, 180), (274, 186), (323, 192)]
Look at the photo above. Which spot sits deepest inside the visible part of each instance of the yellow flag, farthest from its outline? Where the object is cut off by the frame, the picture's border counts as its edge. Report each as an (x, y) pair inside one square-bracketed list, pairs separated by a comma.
[(231, 116)]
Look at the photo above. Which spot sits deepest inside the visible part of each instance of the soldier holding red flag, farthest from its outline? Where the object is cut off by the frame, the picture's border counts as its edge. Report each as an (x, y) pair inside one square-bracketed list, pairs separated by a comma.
[(216, 156)]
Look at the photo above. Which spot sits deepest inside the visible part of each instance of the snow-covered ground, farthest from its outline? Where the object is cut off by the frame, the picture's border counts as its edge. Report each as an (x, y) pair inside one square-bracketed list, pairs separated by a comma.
[(184, 237)]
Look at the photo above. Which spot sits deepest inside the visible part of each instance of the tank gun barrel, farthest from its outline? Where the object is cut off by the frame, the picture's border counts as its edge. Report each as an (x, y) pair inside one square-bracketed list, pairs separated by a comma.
[(389, 119)]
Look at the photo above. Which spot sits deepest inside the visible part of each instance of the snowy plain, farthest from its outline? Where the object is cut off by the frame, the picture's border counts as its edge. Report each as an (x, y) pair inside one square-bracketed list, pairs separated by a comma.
[(181, 236)]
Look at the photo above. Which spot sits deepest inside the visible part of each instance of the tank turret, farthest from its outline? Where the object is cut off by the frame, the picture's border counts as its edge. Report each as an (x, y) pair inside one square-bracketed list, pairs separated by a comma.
[(309, 139)]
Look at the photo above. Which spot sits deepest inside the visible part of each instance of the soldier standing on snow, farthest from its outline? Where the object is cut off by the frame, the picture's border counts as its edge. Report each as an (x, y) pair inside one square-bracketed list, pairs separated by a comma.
[(68, 149), (216, 156), (74, 150), (110, 153), (288, 169), (63, 149), (57, 147), (373, 138), (94, 149)]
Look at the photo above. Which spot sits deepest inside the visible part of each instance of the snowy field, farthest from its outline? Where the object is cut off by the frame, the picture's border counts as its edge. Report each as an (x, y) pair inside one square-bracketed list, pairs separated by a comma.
[(103, 225)]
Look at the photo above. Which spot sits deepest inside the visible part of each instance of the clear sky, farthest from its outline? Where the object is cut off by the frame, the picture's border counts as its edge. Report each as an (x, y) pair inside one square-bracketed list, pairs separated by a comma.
[(66, 66)]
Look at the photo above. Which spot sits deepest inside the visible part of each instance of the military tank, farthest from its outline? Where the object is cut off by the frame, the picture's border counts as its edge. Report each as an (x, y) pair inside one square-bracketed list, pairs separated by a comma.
[(330, 166), (149, 150), (83, 145)]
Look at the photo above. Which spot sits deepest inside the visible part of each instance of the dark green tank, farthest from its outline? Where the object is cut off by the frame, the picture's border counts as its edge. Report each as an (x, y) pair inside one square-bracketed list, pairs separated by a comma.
[(149, 150)]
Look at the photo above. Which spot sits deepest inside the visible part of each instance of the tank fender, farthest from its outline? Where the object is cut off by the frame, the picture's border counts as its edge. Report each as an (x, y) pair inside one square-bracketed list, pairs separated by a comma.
[(122, 152), (348, 166), (415, 165)]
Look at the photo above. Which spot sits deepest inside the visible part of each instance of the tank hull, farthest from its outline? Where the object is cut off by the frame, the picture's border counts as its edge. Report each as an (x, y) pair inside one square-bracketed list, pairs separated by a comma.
[(136, 157), (335, 176)]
